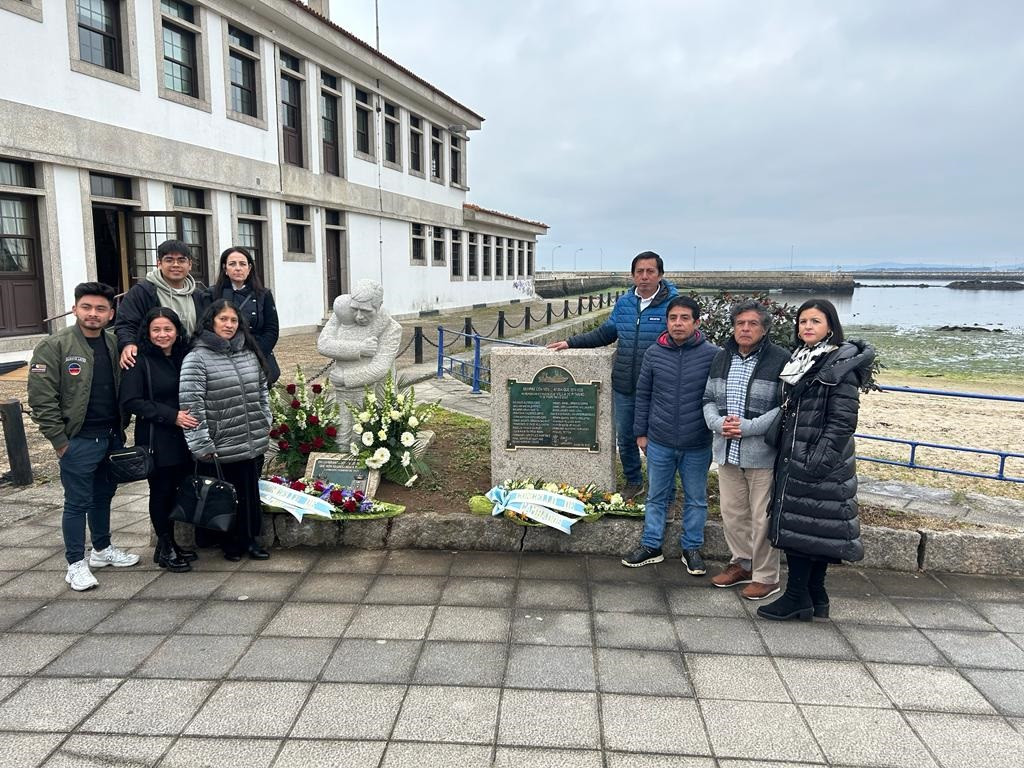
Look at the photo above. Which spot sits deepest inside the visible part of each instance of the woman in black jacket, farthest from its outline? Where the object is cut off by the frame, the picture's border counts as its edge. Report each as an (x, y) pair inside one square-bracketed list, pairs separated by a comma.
[(814, 507), (149, 390), (239, 284)]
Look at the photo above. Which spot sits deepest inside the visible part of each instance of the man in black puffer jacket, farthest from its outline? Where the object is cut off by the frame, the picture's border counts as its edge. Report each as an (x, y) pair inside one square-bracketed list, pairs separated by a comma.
[(671, 430)]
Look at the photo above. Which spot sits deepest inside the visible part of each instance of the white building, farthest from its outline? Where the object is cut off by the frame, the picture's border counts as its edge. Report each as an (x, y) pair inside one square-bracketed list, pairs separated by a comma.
[(256, 123)]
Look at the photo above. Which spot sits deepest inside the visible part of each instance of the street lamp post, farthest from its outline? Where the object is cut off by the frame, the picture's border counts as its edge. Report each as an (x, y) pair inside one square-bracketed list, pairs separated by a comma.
[(553, 257), (574, 258)]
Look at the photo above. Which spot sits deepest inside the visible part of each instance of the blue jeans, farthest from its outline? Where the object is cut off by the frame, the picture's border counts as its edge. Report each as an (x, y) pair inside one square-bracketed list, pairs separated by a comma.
[(663, 463), (87, 494), (629, 454)]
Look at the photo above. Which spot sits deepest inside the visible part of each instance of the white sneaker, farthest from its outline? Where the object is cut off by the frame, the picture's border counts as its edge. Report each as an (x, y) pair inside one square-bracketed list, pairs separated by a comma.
[(80, 577), (112, 556)]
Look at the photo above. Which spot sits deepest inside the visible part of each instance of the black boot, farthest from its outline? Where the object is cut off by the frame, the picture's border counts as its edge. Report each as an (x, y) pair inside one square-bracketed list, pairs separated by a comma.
[(188, 555), (167, 556), (816, 587), (796, 602)]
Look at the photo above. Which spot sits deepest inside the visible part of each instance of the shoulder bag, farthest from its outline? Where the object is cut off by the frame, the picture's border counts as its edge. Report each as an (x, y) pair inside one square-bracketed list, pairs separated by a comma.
[(206, 502), (133, 462)]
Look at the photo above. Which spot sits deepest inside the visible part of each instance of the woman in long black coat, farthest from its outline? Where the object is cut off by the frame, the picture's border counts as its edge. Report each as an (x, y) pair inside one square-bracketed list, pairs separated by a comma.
[(814, 507), (149, 391), (238, 282)]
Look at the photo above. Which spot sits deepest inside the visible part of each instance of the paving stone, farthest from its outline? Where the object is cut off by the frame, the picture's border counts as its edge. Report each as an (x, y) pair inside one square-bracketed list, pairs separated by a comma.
[(258, 586), (653, 672), (984, 551), (93, 751), (390, 622), (285, 560), (66, 616), (350, 560), (534, 565), (26, 654), (484, 625), (734, 677), (351, 711), (449, 663), (147, 617), (1007, 617), (940, 614), (974, 587), (53, 705), (41, 584), (27, 750), (804, 639), (197, 586), (284, 658), (1004, 689), (629, 598), (542, 627), (893, 584), (150, 707), (418, 562), (763, 731), (23, 558), (410, 755), (9, 684), (197, 657), (652, 724), (311, 620), (686, 601), (230, 711), (406, 590), (486, 564), (869, 737), (196, 752), (331, 754), (892, 644), (13, 610), (937, 689), (630, 630), (865, 610), (977, 649), (479, 592), (333, 588), (551, 668), (229, 618), (843, 683), (373, 661), (443, 714), (969, 741), (550, 594), (104, 656), (549, 719), (629, 760), (714, 634), (611, 569)]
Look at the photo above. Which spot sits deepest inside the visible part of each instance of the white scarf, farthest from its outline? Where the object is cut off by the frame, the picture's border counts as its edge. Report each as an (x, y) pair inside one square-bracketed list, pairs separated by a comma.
[(803, 360)]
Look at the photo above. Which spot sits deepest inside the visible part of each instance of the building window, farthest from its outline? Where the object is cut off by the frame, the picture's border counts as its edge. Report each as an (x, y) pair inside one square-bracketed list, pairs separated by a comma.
[(486, 249), (529, 259), (499, 257), (392, 137), (117, 187), (415, 145), (22, 306), (297, 228), (243, 69), (438, 237), (31, 9), (291, 109), (472, 268), (456, 253), (456, 160), (329, 123), (419, 245), (194, 217), (436, 154), (364, 124), (179, 47), (99, 33), (511, 246), (251, 216)]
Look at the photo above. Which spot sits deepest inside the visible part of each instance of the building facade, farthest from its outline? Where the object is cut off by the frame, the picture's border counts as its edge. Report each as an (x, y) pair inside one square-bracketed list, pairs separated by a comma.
[(260, 124)]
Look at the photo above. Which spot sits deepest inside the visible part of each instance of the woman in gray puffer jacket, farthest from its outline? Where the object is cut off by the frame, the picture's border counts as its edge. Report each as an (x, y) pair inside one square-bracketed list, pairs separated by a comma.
[(224, 385)]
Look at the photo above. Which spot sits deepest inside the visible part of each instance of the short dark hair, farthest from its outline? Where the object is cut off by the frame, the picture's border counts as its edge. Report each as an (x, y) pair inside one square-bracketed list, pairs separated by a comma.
[(647, 255), (173, 246), (827, 308), (684, 301), (95, 289), (222, 282), (751, 305), (147, 347)]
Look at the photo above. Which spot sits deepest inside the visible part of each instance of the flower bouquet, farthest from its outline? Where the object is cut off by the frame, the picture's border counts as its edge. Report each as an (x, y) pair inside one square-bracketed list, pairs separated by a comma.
[(587, 494), (614, 504), (304, 420), (385, 432), (348, 503)]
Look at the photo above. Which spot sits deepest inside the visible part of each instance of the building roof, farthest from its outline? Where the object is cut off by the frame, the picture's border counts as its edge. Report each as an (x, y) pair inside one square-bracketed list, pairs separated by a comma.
[(324, 20), (509, 216)]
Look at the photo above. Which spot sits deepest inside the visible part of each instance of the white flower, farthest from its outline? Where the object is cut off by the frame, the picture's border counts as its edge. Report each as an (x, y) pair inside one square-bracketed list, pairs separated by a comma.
[(364, 416), (367, 438), (395, 415), (414, 422), (406, 459), (400, 399), (357, 428), (383, 434), (353, 448), (408, 439), (411, 480), (615, 499), (372, 464), (371, 398), (382, 454), (553, 487)]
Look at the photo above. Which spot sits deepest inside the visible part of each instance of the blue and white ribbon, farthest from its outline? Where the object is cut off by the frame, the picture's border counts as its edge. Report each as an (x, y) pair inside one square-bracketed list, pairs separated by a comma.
[(538, 505)]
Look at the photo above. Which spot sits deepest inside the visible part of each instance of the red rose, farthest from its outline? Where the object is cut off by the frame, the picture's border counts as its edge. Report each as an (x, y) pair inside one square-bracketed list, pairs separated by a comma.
[(318, 442), (317, 389), (318, 486), (284, 429), (284, 445), (296, 404), (312, 420), (336, 497), (275, 434), (298, 485), (349, 505), (358, 495), (290, 389), (331, 432), (303, 447)]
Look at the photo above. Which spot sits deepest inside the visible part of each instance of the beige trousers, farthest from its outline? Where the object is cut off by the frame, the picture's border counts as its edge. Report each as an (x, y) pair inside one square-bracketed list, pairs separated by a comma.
[(745, 495)]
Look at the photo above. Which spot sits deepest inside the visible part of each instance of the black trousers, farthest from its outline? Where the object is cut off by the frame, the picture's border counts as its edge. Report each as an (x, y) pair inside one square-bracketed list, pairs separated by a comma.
[(245, 476), (163, 493)]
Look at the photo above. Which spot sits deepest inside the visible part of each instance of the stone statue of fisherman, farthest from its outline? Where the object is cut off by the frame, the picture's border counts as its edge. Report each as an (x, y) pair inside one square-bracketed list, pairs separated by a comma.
[(363, 340)]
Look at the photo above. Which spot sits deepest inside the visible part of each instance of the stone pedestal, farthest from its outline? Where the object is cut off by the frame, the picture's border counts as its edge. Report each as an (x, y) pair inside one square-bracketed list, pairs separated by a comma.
[(563, 382)]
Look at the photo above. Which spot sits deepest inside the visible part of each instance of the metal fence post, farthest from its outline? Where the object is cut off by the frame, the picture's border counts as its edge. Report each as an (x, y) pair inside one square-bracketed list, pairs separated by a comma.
[(579, 306), (590, 303), (440, 351), (526, 318), (501, 323), (549, 313), (468, 330), (476, 364), (17, 444), (565, 310), (600, 301), (417, 344)]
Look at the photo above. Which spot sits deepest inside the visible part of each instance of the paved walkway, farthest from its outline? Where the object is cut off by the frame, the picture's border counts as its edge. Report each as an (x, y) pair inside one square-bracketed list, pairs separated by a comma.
[(424, 658)]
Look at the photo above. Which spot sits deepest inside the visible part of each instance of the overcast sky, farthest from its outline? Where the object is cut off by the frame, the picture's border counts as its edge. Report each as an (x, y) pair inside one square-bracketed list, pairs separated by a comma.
[(852, 132)]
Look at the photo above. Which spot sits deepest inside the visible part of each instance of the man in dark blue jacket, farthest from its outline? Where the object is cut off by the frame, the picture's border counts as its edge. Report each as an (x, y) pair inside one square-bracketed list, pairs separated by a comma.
[(636, 322), (670, 429)]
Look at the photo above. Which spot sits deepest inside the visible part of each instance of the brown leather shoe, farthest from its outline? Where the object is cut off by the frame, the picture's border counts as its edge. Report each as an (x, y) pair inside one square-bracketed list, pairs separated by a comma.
[(731, 576), (758, 590)]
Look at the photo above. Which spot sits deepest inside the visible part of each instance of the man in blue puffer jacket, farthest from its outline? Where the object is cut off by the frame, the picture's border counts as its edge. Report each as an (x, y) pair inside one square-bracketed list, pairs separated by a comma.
[(636, 322), (671, 430)]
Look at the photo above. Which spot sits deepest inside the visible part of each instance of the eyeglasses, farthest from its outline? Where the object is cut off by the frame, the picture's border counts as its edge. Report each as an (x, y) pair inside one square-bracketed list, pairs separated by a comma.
[(176, 259)]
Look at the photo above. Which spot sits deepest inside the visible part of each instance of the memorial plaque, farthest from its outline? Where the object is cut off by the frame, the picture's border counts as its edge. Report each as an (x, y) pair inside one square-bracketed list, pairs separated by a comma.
[(345, 471), (552, 411)]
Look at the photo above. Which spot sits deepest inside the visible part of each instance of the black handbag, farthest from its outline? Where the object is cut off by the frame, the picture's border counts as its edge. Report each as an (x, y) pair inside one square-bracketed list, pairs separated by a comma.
[(206, 502), (133, 462)]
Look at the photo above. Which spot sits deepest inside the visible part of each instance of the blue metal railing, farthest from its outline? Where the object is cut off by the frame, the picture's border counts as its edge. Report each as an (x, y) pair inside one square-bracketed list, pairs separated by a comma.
[(474, 378)]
